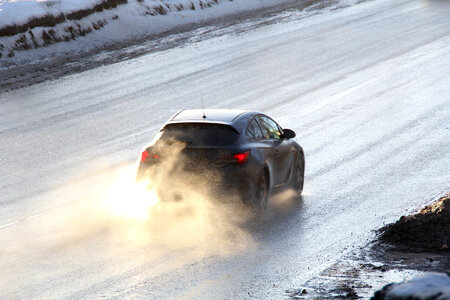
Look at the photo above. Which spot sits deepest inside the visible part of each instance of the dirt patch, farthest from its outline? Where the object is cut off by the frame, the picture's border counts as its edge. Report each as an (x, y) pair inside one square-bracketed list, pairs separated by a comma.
[(427, 230), (350, 278), (413, 246)]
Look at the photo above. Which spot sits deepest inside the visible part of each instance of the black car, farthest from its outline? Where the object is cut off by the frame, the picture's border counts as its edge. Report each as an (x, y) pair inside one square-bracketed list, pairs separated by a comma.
[(233, 152)]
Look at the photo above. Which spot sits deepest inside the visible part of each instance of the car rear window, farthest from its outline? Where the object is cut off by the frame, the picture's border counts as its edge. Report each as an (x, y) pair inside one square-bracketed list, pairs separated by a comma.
[(200, 134)]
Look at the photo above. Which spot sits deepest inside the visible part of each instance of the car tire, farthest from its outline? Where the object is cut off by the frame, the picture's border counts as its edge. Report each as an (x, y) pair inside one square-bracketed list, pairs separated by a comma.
[(261, 191), (299, 178)]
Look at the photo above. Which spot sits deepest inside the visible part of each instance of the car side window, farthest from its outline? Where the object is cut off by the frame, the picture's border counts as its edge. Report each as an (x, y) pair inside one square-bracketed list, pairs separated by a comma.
[(254, 131), (269, 128)]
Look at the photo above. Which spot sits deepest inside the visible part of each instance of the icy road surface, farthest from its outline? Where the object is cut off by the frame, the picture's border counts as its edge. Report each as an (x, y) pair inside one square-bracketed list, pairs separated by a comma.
[(366, 88)]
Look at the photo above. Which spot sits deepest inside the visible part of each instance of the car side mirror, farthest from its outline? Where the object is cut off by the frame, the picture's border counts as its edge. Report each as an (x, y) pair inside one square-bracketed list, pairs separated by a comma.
[(288, 134)]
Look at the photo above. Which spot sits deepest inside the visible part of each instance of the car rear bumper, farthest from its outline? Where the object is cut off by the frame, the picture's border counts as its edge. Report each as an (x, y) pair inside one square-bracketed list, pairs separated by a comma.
[(228, 184)]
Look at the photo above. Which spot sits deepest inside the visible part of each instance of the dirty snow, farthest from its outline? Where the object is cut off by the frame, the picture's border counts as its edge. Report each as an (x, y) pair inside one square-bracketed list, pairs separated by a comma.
[(429, 286), (20, 11)]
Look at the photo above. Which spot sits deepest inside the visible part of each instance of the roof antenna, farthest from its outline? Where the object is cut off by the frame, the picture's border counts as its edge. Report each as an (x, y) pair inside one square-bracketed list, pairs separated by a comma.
[(203, 107)]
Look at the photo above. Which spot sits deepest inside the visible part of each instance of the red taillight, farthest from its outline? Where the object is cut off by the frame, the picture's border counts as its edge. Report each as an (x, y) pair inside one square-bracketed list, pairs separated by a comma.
[(144, 155), (238, 158), (241, 158)]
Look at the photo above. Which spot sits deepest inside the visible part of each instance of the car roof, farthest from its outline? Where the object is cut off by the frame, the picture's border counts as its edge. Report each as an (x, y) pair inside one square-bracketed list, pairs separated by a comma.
[(236, 118), (218, 115)]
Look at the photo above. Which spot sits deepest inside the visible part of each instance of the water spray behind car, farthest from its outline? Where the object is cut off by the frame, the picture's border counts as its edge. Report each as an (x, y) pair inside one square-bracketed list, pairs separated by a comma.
[(191, 217)]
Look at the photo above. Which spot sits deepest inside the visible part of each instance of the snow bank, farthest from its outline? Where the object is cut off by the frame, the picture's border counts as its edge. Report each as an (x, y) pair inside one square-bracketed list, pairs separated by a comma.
[(22, 11), (430, 286), (27, 24)]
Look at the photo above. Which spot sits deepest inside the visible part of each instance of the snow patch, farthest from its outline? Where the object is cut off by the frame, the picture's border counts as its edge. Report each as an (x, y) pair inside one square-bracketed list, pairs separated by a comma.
[(27, 24)]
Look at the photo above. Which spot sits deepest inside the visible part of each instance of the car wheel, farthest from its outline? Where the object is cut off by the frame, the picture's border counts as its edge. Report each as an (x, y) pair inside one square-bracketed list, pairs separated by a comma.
[(299, 176), (261, 191)]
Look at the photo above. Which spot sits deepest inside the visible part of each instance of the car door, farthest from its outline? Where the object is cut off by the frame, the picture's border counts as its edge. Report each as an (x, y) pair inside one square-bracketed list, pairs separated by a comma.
[(282, 148), (264, 148)]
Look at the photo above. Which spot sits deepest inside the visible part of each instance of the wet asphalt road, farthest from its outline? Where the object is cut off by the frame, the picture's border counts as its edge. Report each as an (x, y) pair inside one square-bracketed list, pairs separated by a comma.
[(366, 88)]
